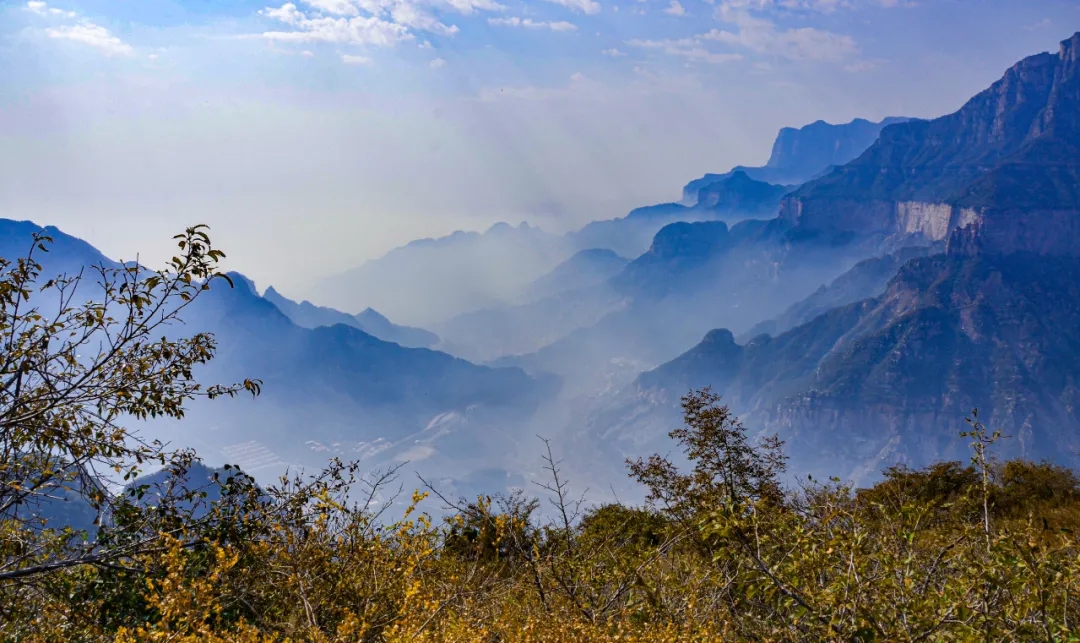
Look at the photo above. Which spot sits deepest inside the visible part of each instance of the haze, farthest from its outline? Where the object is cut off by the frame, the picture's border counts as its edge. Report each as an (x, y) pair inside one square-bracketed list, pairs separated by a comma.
[(314, 136)]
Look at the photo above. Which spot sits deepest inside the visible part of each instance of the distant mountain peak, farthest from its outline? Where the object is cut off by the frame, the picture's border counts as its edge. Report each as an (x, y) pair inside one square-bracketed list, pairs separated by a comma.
[(242, 281), (802, 153), (370, 314)]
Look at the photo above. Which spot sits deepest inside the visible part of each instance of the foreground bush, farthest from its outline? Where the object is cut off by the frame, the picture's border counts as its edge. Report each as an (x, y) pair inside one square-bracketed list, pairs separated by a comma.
[(938, 554), (982, 551)]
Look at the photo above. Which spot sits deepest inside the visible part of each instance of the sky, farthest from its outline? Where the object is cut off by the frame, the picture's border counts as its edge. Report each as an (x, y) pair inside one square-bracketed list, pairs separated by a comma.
[(316, 134)]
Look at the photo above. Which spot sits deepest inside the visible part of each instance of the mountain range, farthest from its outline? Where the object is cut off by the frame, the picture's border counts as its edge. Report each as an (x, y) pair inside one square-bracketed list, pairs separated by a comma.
[(308, 315), (859, 295), (330, 389), (1001, 174), (982, 314)]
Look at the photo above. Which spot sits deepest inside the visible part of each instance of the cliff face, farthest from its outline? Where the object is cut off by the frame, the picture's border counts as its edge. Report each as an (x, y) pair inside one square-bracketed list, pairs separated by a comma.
[(999, 175), (800, 154), (819, 145)]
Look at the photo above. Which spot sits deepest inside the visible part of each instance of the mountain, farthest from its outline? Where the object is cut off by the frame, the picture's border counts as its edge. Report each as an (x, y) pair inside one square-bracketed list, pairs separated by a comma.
[(863, 374), (308, 315), (327, 390), (866, 279), (431, 280), (586, 268), (1001, 174), (63, 253), (351, 391), (491, 333), (631, 235), (738, 194), (377, 325), (799, 155), (891, 379), (695, 276)]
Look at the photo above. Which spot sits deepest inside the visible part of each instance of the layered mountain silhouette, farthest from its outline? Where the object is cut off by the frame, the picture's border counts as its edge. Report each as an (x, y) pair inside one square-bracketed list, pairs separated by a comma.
[(859, 294), (432, 280), (585, 269), (892, 378), (695, 276), (324, 388), (801, 154), (308, 315)]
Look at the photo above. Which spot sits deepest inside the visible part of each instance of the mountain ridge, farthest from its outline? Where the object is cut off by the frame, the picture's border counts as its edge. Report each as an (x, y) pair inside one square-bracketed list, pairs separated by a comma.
[(998, 175)]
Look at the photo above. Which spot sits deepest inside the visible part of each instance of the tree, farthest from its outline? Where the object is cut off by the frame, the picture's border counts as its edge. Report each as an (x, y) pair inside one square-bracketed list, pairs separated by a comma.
[(729, 469), (74, 370)]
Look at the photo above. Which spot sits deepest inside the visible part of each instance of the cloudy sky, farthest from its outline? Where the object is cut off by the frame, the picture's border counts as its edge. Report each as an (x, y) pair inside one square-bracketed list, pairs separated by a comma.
[(315, 134)]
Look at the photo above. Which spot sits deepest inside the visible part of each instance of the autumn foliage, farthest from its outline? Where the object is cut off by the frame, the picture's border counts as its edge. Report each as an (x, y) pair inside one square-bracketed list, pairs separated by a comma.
[(727, 549)]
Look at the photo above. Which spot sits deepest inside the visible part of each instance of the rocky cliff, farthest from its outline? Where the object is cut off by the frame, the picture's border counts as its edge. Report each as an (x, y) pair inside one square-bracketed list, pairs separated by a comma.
[(1001, 174), (800, 154)]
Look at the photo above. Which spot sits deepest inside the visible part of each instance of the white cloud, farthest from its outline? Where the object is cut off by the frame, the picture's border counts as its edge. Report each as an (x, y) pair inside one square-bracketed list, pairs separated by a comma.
[(529, 23), (821, 6), (585, 6), (43, 9), (675, 9), (307, 53), (370, 22), (93, 35), (335, 7), (409, 15), (613, 52), (287, 13), (762, 36), (349, 59), (436, 63), (689, 48), (357, 30), (468, 6), (84, 32)]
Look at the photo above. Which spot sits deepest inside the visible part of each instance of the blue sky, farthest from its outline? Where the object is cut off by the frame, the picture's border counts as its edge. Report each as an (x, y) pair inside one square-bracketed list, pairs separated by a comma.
[(316, 134)]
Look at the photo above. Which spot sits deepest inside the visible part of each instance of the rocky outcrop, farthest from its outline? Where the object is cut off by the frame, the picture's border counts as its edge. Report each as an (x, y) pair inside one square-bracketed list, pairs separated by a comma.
[(1002, 174), (801, 154), (819, 145), (741, 195)]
